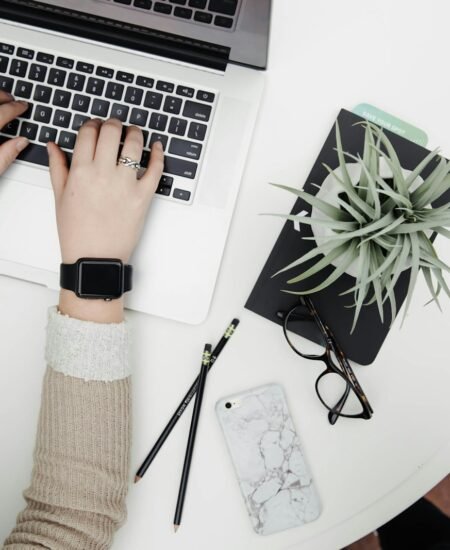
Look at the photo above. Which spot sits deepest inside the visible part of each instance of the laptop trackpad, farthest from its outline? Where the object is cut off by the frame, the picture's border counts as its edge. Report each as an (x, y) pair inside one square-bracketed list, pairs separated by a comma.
[(28, 233)]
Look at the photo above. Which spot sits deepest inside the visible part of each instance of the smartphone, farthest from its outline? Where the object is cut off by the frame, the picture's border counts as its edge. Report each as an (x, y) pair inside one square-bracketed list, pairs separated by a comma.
[(275, 481)]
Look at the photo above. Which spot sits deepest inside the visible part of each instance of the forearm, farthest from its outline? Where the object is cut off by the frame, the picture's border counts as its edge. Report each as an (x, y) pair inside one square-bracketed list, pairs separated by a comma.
[(80, 476)]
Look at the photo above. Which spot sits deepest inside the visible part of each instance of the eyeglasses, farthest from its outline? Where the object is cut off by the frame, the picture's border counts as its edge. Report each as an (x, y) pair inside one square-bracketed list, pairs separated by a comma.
[(337, 386)]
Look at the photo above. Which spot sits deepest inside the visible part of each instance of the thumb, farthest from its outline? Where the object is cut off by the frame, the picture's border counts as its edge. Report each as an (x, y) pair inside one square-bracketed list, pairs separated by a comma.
[(58, 168), (9, 151)]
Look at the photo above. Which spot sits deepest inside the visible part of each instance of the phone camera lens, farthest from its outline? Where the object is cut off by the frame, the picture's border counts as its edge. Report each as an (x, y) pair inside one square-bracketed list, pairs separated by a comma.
[(228, 405)]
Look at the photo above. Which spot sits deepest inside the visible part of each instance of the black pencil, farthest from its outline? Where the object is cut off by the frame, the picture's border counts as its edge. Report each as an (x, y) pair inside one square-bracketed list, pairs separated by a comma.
[(184, 403), (206, 361)]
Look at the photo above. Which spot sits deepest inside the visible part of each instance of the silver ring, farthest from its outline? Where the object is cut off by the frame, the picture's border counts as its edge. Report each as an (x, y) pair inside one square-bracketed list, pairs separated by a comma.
[(130, 163)]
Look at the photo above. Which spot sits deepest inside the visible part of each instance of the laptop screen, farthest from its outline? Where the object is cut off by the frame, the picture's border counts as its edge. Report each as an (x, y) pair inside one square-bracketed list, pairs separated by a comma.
[(204, 32)]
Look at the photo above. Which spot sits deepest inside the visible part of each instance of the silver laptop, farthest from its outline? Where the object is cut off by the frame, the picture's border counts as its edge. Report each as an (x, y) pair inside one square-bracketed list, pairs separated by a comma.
[(188, 72)]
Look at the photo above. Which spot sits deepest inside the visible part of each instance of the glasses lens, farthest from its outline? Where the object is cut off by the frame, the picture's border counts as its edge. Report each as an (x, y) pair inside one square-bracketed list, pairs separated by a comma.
[(332, 388), (303, 333)]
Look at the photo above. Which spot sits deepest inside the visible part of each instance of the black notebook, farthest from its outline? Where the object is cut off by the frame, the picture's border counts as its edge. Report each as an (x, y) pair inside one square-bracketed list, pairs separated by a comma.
[(267, 297)]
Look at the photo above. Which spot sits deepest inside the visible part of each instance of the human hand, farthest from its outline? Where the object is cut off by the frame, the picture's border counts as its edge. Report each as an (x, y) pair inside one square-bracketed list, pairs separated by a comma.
[(9, 110), (100, 206)]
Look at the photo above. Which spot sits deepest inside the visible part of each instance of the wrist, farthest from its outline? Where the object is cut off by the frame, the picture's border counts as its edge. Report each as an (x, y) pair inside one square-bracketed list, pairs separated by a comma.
[(99, 311)]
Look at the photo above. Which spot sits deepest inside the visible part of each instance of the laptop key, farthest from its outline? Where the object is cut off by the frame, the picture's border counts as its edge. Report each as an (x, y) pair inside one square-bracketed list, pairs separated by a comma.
[(177, 126), (57, 77), (198, 111), (18, 67), (172, 105), (181, 194), (159, 137), (78, 121), (29, 130), (138, 117), (125, 77), (180, 167), (127, 2), (6, 48), (23, 89), (158, 121), (105, 72), (179, 2), (67, 140), (100, 108), (81, 103), (143, 4), (76, 82), (162, 8), (62, 118), (165, 86), (37, 72), (114, 91), (42, 94), (120, 112), (47, 134), (11, 128), (4, 61), (42, 113), (6, 84), (95, 86), (199, 4), (61, 98), (184, 148), (45, 58), (37, 154), (25, 53), (224, 22), (164, 185), (184, 13), (226, 7), (145, 82), (202, 95), (153, 100), (134, 95), (85, 67), (28, 112), (197, 131), (185, 91), (65, 62), (202, 17)]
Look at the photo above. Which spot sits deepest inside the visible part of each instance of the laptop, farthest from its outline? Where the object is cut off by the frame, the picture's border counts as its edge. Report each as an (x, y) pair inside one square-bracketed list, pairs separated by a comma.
[(190, 73)]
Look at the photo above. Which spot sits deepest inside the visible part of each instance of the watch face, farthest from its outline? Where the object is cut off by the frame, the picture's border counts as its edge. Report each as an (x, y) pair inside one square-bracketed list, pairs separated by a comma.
[(102, 279)]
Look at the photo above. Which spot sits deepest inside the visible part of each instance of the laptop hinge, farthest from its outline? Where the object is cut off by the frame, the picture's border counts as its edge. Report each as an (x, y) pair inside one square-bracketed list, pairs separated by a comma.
[(118, 33)]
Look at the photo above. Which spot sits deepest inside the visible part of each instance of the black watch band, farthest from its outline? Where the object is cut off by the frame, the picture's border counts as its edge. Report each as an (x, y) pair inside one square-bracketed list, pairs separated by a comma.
[(97, 278)]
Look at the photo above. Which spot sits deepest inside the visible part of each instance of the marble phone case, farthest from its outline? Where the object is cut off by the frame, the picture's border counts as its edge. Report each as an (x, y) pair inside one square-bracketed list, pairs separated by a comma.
[(275, 481)]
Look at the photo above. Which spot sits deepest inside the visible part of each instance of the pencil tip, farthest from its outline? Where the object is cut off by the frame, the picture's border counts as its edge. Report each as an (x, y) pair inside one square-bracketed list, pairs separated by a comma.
[(175, 528), (137, 478)]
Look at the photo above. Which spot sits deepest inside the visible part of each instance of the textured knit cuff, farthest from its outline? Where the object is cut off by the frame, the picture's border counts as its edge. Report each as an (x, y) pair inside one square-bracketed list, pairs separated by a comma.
[(87, 350)]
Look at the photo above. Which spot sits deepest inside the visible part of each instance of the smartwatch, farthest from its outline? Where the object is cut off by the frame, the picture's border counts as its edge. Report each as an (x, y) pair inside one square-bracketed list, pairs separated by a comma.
[(97, 278)]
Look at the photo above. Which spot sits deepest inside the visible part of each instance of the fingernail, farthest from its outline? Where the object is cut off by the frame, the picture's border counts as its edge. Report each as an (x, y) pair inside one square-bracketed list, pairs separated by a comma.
[(21, 143)]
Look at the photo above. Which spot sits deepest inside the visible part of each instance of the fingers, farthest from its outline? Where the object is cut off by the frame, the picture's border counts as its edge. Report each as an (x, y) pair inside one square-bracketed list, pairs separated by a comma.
[(9, 151), (9, 110), (58, 169), (5, 97), (108, 143), (86, 142), (132, 147), (149, 181)]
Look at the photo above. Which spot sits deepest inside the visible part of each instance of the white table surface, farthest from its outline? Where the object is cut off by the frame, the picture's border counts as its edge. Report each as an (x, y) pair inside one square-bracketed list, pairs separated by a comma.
[(324, 55)]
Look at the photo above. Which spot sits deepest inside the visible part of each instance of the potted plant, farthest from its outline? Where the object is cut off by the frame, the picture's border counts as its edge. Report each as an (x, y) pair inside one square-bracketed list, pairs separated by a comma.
[(373, 219)]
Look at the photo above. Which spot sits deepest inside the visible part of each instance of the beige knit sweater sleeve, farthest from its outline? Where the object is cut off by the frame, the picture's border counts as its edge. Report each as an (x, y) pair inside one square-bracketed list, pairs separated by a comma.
[(76, 499)]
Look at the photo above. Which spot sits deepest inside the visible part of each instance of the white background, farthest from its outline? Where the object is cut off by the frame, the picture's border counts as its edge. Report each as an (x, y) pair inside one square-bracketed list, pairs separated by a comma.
[(324, 55)]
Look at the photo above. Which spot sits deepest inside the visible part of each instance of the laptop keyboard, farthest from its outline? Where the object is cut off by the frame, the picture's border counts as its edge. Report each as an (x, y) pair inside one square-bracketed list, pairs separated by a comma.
[(65, 92), (220, 14)]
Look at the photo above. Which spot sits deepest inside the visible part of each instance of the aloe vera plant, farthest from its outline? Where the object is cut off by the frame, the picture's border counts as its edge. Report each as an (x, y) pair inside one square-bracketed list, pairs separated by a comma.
[(383, 224)]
